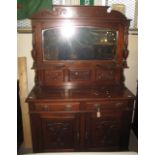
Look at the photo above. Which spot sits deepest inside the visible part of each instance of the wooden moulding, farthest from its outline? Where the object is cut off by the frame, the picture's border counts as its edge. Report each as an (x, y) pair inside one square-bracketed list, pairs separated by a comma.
[(24, 106)]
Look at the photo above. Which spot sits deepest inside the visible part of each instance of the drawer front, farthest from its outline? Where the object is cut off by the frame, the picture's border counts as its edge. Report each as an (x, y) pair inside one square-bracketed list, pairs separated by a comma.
[(93, 106), (55, 106)]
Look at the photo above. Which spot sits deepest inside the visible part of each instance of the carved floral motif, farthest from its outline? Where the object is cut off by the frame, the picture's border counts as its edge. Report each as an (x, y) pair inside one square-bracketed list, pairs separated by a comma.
[(58, 134), (79, 12), (54, 12), (53, 76), (80, 75), (125, 51), (110, 134), (104, 74)]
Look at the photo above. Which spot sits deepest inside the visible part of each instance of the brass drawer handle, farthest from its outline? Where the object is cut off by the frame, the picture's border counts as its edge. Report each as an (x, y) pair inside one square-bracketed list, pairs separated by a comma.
[(96, 106), (45, 108), (76, 73), (68, 107), (119, 104)]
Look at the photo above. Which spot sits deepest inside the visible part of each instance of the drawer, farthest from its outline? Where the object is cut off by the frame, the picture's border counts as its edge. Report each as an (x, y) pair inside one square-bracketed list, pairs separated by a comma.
[(55, 106), (108, 105)]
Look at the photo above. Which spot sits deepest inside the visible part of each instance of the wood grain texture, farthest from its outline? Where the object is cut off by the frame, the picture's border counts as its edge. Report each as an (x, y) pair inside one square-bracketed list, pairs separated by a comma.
[(80, 105), (24, 107)]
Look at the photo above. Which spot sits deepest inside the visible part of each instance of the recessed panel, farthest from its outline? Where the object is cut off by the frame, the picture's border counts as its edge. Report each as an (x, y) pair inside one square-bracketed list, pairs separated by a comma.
[(53, 76), (79, 75), (105, 75)]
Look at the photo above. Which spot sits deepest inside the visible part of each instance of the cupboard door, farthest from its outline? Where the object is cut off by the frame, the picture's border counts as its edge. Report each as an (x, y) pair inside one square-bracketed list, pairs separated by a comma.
[(103, 131), (59, 132)]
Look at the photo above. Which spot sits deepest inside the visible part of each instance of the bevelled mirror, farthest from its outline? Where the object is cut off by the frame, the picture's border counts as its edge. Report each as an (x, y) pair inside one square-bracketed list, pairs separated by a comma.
[(79, 43)]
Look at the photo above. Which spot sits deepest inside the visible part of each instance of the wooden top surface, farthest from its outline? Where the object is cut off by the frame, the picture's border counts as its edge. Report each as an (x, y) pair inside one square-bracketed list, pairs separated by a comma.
[(79, 94)]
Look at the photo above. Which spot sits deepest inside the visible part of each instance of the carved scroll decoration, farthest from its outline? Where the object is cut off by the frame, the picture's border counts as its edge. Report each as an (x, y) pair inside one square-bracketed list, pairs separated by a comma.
[(125, 51)]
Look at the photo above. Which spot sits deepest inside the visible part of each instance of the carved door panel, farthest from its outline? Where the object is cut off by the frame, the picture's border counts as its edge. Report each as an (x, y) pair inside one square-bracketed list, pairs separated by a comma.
[(60, 132), (103, 131)]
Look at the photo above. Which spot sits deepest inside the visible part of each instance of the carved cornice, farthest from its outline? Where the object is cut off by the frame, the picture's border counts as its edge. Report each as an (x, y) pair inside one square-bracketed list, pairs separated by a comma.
[(79, 12)]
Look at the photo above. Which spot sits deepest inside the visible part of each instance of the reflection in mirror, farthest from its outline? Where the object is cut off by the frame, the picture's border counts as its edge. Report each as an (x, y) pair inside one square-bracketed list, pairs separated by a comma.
[(79, 43)]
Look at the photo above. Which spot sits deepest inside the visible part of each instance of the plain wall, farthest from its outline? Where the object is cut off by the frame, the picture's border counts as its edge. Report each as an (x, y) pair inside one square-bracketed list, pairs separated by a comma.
[(24, 48), (131, 74)]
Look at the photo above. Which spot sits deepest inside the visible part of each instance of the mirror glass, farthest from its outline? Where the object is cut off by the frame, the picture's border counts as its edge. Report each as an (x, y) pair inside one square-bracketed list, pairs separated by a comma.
[(79, 43)]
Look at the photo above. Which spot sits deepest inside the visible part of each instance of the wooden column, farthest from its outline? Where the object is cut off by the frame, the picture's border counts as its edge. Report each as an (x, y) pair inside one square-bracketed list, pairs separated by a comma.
[(22, 73)]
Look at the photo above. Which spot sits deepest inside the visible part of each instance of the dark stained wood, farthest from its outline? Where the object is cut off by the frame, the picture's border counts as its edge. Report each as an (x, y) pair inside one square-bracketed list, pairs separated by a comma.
[(105, 131), (80, 105), (80, 16), (78, 12)]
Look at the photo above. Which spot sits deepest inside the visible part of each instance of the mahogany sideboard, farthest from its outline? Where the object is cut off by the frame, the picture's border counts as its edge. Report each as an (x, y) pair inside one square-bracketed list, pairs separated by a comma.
[(79, 101)]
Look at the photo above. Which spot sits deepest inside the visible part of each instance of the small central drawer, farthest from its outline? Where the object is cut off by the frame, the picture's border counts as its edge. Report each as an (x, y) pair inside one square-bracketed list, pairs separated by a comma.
[(55, 106), (107, 105)]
